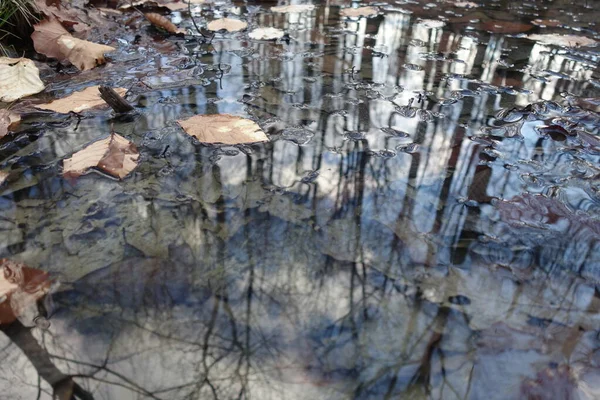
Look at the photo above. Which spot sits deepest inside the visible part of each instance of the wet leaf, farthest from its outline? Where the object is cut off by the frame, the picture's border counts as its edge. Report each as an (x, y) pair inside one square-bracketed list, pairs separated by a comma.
[(223, 128), (295, 8), (79, 101), (7, 119), (359, 12), (45, 38), (495, 26), (266, 34), (228, 24), (114, 155), (20, 289), (19, 77), (83, 54), (562, 40), (160, 21)]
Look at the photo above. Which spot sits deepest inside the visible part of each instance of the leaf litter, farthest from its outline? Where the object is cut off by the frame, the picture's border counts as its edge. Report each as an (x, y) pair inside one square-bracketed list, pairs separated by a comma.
[(85, 99)]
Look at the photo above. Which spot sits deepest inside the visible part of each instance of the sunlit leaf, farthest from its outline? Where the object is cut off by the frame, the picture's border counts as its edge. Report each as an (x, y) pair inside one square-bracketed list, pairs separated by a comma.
[(79, 101), (228, 24), (19, 77), (358, 12), (83, 54), (223, 128), (562, 40), (113, 155), (163, 22), (266, 34), (294, 8)]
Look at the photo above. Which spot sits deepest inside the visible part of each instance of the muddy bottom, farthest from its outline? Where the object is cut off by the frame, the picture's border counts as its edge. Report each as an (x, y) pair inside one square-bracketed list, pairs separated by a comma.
[(424, 222)]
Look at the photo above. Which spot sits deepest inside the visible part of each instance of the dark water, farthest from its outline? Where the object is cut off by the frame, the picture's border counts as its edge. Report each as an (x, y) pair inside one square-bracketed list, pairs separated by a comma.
[(424, 223)]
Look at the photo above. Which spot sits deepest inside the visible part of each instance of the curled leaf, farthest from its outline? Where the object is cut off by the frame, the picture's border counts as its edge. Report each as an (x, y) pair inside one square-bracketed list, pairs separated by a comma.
[(223, 128), (160, 21), (228, 24), (113, 155), (83, 54), (266, 34), (19, 77), (78, 101)]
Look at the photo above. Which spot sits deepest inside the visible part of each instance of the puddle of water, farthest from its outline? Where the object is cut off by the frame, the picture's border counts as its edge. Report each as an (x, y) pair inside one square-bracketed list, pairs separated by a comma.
[(422, 224)]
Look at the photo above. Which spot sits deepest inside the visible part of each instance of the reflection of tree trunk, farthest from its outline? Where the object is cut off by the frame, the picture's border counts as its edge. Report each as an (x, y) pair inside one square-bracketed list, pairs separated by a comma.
[(63, 385)]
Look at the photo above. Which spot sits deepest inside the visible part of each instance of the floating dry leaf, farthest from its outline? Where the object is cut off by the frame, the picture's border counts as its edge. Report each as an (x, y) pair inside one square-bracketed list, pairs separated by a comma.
[(7, 119), (562, 40), (431, 23), (546, 22), (266, 34), (358, 12), (19, 77), (79, 101), (223, 128), (114, 155), (228, 24), (3, 176), (45, 37), (83, 54), (20, 289), (295, 8), (160, 21)]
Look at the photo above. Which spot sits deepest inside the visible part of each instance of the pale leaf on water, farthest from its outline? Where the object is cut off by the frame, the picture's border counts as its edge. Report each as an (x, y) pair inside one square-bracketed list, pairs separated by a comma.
[(223, 128), (19, 77)]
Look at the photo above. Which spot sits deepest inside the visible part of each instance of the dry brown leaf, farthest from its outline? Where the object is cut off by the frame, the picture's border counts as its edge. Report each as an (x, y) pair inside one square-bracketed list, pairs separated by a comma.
[(163, 22), (114, 155), (79, 101), (562, 40), (546, 22), (19, 77), (266, 34), (83, 54), (7, 120), (45, 37), (3, 176), (358, 12), (294, 8), (20, 288), (228, 24), (223, 128)]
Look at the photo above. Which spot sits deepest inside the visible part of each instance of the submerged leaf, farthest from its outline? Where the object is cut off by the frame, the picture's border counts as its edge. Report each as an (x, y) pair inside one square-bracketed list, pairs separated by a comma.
[(223, 128), (114, 155), (266, 34), (78, 101), (83, 54), (228, 24), (19, 77), (294, 8), (358, 12), (45, 38)]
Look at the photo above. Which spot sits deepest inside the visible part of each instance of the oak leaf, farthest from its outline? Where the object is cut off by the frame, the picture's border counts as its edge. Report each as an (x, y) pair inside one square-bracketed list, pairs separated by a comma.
[(294, 8), (114, 155), (83, 54), (228, 24), (266, 34), (19, 77), (223, 128), (45, 38), (79, 101), (358, 12)]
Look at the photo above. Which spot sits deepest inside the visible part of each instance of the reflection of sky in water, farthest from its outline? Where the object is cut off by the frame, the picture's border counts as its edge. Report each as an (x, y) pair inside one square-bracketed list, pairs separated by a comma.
[(343, 259)]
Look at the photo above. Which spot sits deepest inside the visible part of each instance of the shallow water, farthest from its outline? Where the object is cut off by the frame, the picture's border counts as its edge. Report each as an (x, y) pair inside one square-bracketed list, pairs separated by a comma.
[(424, 222)]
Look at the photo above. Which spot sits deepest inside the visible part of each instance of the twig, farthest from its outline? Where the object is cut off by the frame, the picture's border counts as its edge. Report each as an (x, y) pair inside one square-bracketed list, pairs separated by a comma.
[(112, 98)]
